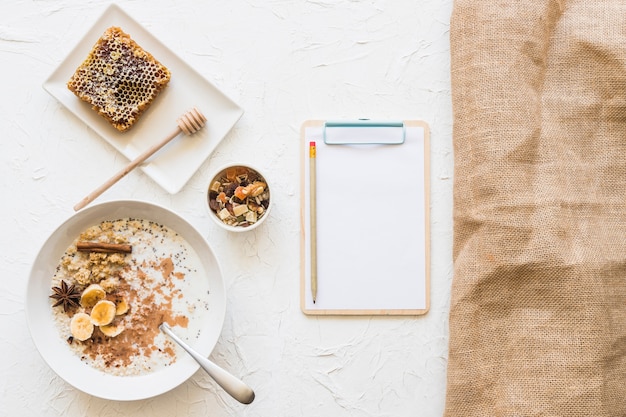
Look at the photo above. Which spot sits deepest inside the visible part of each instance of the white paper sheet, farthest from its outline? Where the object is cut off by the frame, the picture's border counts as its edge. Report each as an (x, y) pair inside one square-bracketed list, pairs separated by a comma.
[(371, 225)]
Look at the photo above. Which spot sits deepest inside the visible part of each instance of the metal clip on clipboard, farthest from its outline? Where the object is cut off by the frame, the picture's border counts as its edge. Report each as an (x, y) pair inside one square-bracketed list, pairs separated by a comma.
[(364, 132)]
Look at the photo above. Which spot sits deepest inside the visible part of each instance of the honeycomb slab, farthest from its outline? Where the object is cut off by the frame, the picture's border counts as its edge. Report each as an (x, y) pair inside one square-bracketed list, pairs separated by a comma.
[(119, 79)]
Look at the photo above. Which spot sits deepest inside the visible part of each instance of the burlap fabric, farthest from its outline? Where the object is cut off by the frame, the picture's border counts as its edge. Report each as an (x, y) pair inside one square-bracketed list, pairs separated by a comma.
[(538, 309)]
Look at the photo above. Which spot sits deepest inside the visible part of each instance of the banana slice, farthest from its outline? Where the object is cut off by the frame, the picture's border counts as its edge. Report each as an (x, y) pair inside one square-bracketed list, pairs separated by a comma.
[(81, 326), (91, 295), (121, 308), (112, 330), (103, 312)]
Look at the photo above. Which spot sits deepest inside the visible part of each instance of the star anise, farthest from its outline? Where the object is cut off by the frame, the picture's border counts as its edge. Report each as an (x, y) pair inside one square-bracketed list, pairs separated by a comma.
[(66, 295)]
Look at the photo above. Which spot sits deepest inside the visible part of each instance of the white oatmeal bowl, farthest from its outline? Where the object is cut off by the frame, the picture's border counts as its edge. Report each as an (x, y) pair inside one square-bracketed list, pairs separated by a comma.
[(103, 282)]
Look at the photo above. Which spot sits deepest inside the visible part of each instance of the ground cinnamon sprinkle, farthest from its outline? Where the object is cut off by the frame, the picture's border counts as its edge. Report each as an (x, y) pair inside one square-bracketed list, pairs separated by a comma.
[(155, 281), (141, 330)]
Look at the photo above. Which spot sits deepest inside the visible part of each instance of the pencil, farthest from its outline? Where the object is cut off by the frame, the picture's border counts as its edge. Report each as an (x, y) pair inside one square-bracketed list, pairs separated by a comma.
[(312, 212)]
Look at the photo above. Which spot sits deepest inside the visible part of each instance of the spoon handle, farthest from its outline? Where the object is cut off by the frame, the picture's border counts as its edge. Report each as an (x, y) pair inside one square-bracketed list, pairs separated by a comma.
[(231, 384)]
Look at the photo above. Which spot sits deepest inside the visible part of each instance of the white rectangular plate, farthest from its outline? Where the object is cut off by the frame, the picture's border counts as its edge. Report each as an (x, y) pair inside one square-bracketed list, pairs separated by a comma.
[(175, 164)]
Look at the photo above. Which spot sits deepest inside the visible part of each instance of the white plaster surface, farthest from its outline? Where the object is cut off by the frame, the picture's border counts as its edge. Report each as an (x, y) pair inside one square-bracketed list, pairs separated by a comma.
[(283, 61)]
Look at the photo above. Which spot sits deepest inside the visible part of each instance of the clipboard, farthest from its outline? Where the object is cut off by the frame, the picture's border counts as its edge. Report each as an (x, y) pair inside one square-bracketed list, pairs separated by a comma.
[(371, 218)]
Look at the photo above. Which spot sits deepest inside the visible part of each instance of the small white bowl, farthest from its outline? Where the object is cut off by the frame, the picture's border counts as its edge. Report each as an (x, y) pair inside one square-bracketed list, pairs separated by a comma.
[(233, 181)]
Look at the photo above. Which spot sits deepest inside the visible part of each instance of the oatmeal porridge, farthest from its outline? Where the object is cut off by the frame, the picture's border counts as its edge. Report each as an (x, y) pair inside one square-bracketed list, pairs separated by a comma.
[(114, 286)]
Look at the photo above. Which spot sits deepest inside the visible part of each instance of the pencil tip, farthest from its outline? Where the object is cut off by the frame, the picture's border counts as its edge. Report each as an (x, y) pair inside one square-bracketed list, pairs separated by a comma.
[(313, 301)]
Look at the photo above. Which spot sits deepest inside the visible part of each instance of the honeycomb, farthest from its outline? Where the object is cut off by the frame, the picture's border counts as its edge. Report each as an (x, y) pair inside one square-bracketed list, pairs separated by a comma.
[(119, 79)]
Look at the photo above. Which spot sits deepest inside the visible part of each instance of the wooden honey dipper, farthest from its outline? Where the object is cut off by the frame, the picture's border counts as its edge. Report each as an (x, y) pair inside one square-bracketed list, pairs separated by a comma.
[(189, 123)]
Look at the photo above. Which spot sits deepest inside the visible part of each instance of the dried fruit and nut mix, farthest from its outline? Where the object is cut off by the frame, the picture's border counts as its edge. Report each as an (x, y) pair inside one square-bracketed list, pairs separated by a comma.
[(239, 196)]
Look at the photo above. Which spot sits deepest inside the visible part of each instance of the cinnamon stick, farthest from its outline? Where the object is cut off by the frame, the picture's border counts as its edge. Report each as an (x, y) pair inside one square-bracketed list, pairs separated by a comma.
[(103, 247)]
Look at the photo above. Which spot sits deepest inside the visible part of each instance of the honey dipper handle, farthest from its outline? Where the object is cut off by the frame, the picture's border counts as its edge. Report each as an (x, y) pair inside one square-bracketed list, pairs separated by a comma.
[(122, 173), (189, 123)]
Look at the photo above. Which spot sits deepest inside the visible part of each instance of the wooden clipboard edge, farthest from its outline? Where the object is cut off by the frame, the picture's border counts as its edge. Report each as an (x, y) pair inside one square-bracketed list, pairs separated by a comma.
[(365, 312)]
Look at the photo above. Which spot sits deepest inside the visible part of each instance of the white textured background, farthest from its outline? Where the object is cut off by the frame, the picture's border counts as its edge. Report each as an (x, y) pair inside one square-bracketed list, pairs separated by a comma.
[(283, 61)]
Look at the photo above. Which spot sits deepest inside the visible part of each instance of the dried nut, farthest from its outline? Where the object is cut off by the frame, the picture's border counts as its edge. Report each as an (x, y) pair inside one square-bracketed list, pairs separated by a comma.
[(81, 326), (256, 189), (91, 295), (240, 209), (103, 313), (252, 205)]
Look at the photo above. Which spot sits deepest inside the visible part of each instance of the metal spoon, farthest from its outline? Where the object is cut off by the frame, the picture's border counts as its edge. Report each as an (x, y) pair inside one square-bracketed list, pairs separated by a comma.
[(231, 384)]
